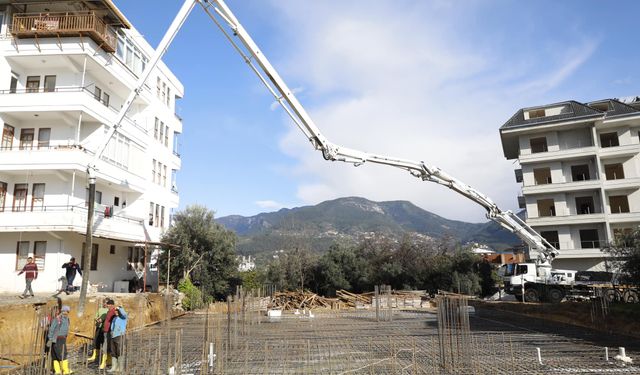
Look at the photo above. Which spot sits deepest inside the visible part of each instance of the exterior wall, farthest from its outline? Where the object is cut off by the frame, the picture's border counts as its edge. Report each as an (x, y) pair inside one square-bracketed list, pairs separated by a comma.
[(90, 87), (575, 144)]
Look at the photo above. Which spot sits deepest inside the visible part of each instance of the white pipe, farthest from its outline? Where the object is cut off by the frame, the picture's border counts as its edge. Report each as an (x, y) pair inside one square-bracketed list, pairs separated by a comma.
[(606, 353), (539, 356)]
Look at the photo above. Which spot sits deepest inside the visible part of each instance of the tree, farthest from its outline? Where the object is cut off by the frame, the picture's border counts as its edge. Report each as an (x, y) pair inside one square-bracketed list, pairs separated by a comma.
[(207, 251), (624, 256)]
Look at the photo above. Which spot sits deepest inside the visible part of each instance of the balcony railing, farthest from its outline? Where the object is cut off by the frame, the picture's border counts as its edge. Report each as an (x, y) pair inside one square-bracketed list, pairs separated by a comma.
[(31, 25), (87, 90), (98, 212)]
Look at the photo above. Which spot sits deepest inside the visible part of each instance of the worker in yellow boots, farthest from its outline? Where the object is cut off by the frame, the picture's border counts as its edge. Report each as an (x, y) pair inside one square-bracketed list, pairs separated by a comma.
[(106, 328), (57, 341), (98, 335)]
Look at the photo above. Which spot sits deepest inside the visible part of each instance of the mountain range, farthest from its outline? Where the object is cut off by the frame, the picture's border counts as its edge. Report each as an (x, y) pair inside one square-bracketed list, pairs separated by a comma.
[(351, 219)]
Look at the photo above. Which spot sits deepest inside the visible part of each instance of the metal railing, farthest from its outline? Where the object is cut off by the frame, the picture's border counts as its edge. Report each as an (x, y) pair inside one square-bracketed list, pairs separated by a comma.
[(53, 24), (99, 211), (85, 89), (597, 244)]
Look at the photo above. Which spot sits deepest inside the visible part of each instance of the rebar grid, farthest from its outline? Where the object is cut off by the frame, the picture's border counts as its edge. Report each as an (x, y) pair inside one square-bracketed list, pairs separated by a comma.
[(245, 341)]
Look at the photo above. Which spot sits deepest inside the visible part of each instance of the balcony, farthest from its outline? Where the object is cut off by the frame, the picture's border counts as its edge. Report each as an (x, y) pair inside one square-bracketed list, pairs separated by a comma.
[(564, 154), (566, 219), (72, 218), (48, 25), (64, 96), (562, 187), (619, 151)]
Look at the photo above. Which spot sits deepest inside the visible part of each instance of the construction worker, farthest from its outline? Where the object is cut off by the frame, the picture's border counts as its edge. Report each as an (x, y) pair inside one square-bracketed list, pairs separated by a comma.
[(118, 328), (30, 271), (98, 335), (57, 341), (106, 327)]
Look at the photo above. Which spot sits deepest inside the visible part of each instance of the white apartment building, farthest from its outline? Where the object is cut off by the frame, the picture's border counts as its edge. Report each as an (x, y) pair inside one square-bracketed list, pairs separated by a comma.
[(580, 174), (66, 68)]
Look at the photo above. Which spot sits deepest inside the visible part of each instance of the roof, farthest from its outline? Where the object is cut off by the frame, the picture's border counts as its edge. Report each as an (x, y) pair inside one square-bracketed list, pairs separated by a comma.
[(574, 110), (614, 107), (563, 112)]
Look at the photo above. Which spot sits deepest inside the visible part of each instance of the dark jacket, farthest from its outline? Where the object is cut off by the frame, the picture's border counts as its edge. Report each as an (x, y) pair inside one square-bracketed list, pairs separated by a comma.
[(30, 270), (72, 268)]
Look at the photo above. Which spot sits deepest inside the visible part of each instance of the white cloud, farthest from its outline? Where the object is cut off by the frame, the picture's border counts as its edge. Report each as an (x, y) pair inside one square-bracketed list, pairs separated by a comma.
[(397, 81), (269, 205)]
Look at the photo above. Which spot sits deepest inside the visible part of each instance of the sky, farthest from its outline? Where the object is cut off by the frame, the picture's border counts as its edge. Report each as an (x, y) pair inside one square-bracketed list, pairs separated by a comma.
[(424, 80)]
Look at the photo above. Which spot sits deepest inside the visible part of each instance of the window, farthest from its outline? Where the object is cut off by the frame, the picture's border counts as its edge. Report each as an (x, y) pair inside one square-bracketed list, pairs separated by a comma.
[(13, 86), (542, 176), (158, 87), (164, 175), (166, 136), (112, 249), (546, 207), (585, 205), (175, 143), (135, 257), (614, 171), (157, 216), (33, 83), (22, 253), (3, 195), (522, 269), (161, 136), (153, 172), (39, 253), (20, 197), (538, 145), (37, 197), (169, 97), (44, 134), (552, 237), (589, 239), (619, 204), (536, 113), (151, 205), (97, 93), (609, 140), (162, 217), (105, 99), (97, 200), (116, 201), (164, 92), (156, 129), (580, 172), (7, 137), (26, 138), (49, 83), (94, 256)]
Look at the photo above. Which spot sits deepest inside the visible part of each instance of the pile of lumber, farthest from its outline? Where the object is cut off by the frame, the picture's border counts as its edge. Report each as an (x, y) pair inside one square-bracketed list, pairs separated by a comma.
[(300, 300), (292, 300)]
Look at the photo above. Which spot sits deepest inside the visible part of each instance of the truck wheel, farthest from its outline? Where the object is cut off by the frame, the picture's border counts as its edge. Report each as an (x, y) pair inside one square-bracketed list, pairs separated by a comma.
[(611, 295), (531, 295), (631, 296), (555, 295)]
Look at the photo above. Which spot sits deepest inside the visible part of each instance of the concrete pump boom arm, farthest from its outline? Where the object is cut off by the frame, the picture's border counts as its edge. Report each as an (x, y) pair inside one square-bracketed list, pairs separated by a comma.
[(217, 9)]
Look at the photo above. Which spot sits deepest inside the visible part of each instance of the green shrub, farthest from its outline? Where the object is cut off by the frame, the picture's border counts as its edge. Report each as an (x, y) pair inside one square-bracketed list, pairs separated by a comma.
[(192, 295)]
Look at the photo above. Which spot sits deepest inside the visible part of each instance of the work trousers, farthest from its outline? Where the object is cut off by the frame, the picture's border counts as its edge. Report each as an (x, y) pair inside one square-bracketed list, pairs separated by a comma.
[(116, 346), (98, 338), (27, 287), (59, 349), (70, 279)]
